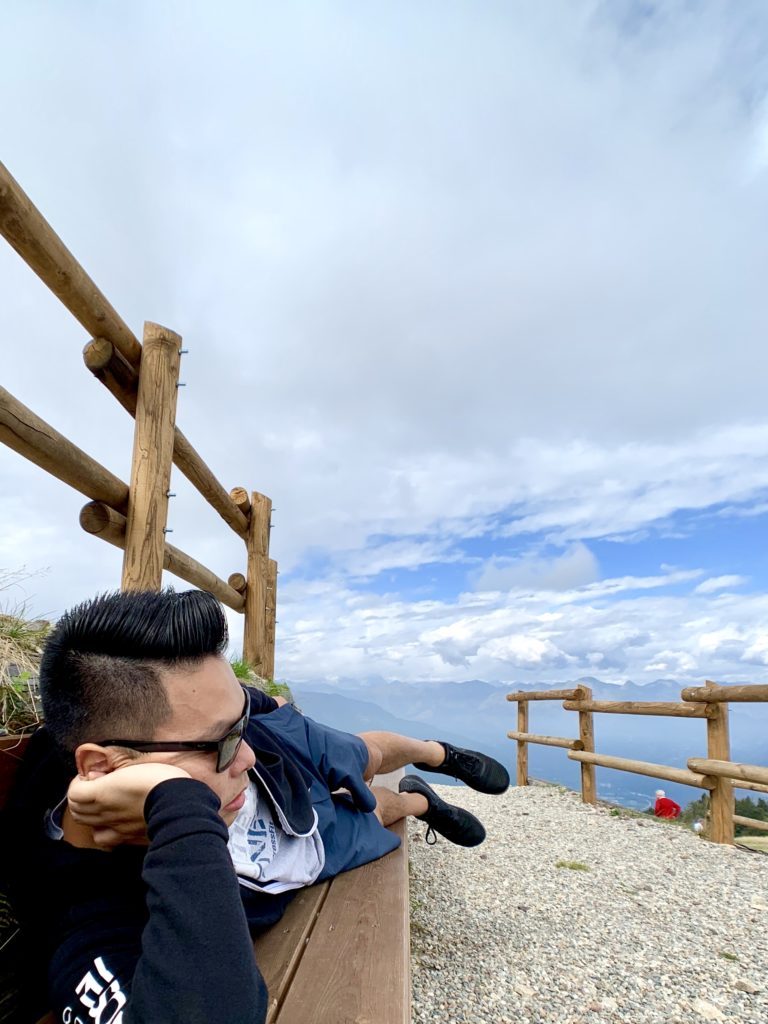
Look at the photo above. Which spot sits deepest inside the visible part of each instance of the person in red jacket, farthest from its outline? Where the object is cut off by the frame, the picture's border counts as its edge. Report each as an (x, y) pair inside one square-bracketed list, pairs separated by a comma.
[(665, 808)]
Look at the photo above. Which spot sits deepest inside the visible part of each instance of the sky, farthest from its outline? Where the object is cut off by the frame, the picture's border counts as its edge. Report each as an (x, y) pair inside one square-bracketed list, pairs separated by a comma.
[(474, 291)]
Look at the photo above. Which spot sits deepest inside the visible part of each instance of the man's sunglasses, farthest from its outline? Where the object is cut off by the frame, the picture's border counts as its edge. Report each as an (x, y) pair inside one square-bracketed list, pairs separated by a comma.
[(226, 748)]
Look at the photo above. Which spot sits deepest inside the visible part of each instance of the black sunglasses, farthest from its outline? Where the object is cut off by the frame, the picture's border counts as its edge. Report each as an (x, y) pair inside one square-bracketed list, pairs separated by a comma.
[(226, 748)]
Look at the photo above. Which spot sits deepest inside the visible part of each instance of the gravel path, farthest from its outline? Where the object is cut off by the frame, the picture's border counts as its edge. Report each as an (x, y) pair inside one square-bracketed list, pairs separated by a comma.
[(663, 926)]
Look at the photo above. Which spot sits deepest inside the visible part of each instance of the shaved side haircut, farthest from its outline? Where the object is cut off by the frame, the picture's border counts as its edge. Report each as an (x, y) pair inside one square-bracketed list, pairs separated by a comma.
[(101, 669)]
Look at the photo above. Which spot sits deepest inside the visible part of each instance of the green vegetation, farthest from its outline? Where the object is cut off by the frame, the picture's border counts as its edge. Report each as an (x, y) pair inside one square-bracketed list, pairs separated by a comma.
[(246, 673), (21, 643), (728, 956), (753, 843), (572, 865), (744, 807)]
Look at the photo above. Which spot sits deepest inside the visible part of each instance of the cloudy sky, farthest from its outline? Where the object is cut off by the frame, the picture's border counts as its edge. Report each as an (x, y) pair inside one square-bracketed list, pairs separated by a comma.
[(475, 291)]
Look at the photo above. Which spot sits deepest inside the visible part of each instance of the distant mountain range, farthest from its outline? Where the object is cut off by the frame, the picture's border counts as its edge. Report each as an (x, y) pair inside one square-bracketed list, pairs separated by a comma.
[(477, 714)]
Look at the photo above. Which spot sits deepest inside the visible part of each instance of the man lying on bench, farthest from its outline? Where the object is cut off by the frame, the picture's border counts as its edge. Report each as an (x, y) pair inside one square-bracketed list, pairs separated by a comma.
[(165, 813)]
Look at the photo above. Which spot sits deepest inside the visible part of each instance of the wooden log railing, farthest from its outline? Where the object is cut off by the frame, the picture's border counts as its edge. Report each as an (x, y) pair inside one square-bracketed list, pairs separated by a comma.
[(33, 238), (144, 380), (715, 773)]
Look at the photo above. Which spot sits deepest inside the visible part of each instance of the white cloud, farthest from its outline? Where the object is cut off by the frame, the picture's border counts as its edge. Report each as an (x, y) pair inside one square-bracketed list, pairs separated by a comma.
[(715, 583), (443, 273), (632, 633), (573, 568)]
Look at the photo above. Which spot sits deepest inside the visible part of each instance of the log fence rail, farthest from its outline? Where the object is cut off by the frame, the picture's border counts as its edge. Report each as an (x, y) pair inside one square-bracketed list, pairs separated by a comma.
[(144, 378), (716, 773)]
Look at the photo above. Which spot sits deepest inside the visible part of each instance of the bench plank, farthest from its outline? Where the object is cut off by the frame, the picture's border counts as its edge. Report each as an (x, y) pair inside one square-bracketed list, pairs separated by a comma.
[(356, 968), (279, 950)]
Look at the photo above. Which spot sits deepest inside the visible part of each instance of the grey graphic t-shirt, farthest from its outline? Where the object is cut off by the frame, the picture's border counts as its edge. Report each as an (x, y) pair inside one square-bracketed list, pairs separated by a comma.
[(265, 857)]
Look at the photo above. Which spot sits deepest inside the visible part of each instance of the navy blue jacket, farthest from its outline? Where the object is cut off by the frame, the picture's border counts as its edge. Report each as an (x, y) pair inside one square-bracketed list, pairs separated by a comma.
[(140, 935)]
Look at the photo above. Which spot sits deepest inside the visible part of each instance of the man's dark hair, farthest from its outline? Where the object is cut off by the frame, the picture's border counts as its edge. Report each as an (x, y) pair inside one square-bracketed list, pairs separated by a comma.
[(100, 670)]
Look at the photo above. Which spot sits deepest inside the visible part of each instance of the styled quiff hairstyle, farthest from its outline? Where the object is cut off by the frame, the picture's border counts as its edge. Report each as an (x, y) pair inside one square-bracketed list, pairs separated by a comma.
[(100, 673)]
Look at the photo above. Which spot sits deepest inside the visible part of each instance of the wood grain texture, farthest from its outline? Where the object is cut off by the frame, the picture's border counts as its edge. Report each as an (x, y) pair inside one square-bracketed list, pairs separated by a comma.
[(27, 231), (38, 442), (522, 695), (546, 741), (761, 826), (106, 524), (587, 737), (271, 619), (152, 459), (325, 925), (237, 581), (719, 694), (730, 770), (255, 631), (109, 367), (356, 969), (239, 496), (669, 709), (655, 771), (279, 951), (522, 749), (721, 803)]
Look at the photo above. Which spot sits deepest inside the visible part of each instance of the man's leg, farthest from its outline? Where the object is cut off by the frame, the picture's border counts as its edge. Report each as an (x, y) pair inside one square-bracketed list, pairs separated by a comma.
[(391, 807), (421, 801), (388, 751)]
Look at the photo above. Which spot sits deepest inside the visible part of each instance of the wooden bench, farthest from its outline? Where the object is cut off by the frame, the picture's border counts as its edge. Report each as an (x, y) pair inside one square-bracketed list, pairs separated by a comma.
[(341, 952)]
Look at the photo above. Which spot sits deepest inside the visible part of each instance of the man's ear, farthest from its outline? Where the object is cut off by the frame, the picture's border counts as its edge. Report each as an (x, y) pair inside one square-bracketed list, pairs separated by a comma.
[(93, 761)]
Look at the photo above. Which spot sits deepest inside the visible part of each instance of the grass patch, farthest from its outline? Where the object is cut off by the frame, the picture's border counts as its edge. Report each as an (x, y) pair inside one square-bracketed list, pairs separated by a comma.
[(572, 865), (728, 956), (21, 644), (753, 842), (246, 673)]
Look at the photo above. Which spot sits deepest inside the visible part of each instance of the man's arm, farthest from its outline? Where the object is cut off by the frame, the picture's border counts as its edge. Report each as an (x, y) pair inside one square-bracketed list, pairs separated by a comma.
[(190, 961)]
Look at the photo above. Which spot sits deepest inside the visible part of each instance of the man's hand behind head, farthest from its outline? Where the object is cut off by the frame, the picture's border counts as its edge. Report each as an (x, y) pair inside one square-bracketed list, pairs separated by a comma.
[(112, 805)]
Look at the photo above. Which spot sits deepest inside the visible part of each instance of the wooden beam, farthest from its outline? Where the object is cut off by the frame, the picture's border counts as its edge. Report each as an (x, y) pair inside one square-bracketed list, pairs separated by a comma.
[(239, 496), (200, 476), (255, 631), (237, 581), (755, 787), (37, 441), (730, 770), (271, 618), (719, 694), (522, 749), (546, 741), (24, 228), (152, 458), (761, 826), (109, 367), (640, 707), (27, 231), (524, 695), (721, 805), (587, 737), (123, 382), (103, 522), (656, 771)]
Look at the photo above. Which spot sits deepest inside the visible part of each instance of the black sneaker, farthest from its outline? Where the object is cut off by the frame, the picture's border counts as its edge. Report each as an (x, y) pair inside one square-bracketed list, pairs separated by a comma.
[(478, 770), (456, 824)]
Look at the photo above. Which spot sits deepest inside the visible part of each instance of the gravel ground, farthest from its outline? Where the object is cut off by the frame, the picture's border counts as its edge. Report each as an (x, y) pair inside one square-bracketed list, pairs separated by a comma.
[(663, 926)]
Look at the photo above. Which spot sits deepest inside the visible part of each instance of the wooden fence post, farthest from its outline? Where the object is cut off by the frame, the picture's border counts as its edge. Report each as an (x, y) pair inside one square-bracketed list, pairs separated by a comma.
[(271, 615), (721, 797), (152, 459), (255, 632), (587, 737), (522, 746)]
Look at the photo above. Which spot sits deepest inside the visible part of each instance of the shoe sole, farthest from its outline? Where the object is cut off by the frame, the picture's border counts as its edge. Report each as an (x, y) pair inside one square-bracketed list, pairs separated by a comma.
[(436, 805)]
